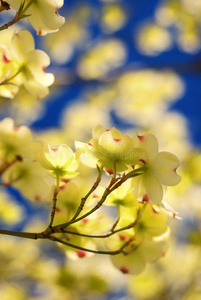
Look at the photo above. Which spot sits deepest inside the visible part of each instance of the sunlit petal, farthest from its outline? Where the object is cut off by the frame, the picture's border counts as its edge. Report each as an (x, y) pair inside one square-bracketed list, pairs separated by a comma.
[(165, 167)]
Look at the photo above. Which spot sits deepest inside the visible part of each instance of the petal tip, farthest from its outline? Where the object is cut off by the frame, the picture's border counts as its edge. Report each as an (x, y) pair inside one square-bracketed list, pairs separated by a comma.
[(124, 270), (81, 253), (146, 198), (141, 138)]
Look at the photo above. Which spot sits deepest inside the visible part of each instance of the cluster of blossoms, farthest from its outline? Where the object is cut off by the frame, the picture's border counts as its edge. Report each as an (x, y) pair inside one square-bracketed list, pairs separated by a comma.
[(43, 15), (23, 67), (117, 154), (138, 175)]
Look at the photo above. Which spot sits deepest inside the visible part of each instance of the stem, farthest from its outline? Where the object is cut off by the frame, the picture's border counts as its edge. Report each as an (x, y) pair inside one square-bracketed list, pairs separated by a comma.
[(41, 235), (84, 199), (12, 22), (120, 250), (20, 14), (131, 225), (113, 179), (109, 233), (47, 234), (131, 174), (117, 220), (54, 200), (27, 235), (115, 173), (58, 183), (105, 194), (103, 198), (27, 6), (7, 80)]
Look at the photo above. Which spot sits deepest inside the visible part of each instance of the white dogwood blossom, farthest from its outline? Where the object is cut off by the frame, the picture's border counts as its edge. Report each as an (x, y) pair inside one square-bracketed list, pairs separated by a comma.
[(61, 161), (43, 15), (23, 66), (159, 170)]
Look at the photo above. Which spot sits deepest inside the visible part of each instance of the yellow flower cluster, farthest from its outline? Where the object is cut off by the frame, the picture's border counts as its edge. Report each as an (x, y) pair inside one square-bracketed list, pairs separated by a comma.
[(139, 173), (117, 153), (42, 15), (23, 67)]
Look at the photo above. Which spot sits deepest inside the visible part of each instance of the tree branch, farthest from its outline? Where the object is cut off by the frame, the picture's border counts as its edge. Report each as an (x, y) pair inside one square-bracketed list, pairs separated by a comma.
[(118, 251)]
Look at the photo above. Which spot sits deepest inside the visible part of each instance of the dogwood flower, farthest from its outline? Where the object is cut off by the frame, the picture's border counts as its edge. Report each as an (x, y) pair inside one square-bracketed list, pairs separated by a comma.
[(15, 141), (149, 239), (61, 162), (30, 64), (23, 66), (109, 148), (151, 224), (69, 201), (159, 170), (135, 262), (43, 15), (7, 66)]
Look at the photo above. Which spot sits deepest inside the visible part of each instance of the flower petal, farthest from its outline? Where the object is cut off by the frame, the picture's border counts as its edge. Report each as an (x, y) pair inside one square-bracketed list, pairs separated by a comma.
[(86, 156), (153, 188), (148, 145), (36, 89), (117, 148), (137, 187), (164, 168), (153, 250), (37, 60), (97, 131), (44, 17), (133, 263), (22, 43)]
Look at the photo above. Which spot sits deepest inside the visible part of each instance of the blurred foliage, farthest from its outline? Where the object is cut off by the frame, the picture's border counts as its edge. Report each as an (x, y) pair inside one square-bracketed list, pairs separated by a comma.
[(176, 21)]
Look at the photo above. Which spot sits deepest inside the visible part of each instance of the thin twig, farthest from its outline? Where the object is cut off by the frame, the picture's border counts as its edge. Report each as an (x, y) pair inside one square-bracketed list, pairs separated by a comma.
[(20, 14), (54, 202), (8, 79), (83, 200), (111, 231), (107, 191), (120, 250), (54, 207)]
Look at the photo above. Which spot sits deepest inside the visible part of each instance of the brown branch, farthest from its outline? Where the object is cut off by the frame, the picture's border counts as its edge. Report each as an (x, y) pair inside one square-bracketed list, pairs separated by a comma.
[(84, 199), (110, 232), (118, 251)]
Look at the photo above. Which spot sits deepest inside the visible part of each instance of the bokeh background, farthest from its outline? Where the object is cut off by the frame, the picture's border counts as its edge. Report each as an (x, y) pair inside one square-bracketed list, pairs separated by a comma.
[(131, 64)]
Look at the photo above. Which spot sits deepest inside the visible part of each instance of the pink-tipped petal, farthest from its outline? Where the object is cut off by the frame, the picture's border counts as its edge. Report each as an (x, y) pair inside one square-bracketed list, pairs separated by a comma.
[(165, 167)]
